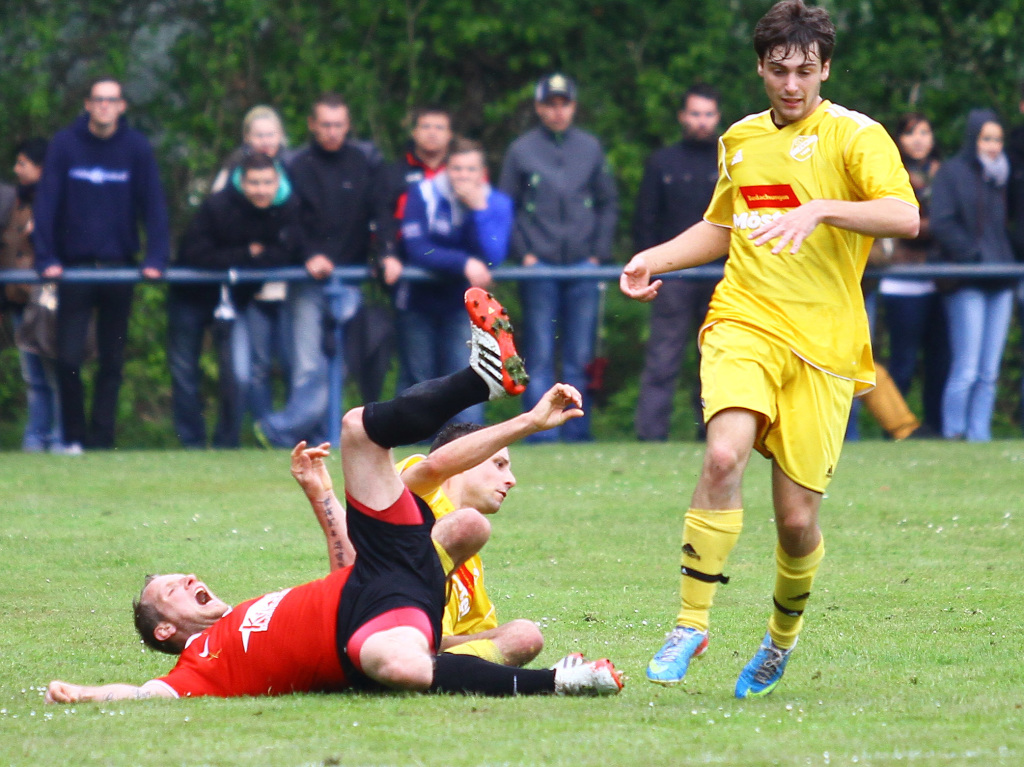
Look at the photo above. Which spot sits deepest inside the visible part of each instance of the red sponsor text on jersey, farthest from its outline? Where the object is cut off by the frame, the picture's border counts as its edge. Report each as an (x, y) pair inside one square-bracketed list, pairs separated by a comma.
[(770, 196)]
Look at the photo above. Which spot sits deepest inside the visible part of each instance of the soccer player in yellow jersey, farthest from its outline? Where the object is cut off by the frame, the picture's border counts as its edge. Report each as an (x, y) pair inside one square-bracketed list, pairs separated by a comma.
[(470, 624), (803, 188)]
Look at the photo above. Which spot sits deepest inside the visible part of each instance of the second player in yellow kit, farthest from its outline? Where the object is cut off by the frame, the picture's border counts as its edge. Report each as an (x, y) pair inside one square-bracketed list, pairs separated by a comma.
[(803, 188), (469, 609), (470, 467)]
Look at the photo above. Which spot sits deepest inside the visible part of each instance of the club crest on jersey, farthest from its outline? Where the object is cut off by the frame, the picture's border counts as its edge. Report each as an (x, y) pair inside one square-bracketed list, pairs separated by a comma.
[(803, 147), (257, 617)]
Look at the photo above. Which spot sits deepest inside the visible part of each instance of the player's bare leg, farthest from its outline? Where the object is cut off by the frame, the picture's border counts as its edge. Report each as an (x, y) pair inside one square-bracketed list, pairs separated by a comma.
[(730, 440), (399, 658), (796, 514), (461, 533), (517, 642)]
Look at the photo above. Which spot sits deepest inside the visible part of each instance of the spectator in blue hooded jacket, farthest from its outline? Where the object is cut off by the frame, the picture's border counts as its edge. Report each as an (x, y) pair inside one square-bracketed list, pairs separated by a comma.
[(969, 220), (99, 182), (458, 226)]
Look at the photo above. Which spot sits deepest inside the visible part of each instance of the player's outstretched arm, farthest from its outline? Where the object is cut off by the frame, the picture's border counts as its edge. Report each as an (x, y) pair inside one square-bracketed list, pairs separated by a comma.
[(559, 404), (700, 244), (65, 692), (310, 471)]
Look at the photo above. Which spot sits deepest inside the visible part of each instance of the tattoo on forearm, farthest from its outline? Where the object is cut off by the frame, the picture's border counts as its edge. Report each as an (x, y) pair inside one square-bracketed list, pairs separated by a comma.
[(334, 543), (329, 516)]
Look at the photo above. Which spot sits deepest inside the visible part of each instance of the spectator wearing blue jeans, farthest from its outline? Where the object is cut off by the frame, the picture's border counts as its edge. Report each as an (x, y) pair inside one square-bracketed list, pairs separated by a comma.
[(236, 228), (341, 198), (457, 226), (260, 334), (968, 220), (566, 206), (42, 424)]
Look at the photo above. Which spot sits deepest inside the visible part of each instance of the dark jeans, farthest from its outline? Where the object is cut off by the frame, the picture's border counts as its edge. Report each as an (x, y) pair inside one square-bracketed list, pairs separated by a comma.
[(434, 344), (676, 315), (187, 321), (76, 302), (559, 316), (917, 326)]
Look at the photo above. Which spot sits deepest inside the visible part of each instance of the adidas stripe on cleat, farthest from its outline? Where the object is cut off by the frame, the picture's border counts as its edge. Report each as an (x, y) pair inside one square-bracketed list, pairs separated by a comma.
[(570, 660), (492, 350)]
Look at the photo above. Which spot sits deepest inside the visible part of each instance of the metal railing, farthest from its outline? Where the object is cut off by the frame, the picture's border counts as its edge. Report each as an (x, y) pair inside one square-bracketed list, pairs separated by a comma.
[(357, 274)]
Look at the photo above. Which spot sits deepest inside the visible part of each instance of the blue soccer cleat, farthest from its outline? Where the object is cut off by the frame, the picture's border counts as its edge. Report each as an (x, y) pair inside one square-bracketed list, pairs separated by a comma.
[(764, 672), (669, 664)]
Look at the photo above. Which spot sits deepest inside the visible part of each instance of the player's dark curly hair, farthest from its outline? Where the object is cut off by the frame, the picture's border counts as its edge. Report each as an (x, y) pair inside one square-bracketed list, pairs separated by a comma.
[(791, 26), (146, 619), (452, 432)]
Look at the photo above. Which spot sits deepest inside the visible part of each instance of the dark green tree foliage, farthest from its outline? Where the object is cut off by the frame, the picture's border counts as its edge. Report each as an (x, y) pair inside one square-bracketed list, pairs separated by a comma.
[(193, 67)]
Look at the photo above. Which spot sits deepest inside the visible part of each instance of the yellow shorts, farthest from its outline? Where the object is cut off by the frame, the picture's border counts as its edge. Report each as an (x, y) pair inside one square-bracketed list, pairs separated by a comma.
[(804, 409)]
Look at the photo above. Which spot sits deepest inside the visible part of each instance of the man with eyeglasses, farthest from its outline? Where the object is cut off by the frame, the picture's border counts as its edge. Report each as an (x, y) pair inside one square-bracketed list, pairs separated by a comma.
[(100, 181)]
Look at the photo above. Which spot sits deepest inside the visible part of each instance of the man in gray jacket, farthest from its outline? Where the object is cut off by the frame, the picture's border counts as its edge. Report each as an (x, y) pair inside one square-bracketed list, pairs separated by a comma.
[(566, 207)]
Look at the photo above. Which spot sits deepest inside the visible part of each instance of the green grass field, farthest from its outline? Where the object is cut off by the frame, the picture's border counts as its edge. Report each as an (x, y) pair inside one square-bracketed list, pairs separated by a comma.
[(911, 654)]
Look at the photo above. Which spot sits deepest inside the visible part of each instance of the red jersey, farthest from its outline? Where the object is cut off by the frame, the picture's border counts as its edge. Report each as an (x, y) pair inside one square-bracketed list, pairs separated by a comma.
[(278, 644)]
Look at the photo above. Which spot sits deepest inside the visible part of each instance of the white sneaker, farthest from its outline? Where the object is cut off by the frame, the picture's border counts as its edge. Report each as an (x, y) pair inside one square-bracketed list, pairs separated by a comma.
[(570, 660), (595, 677), (70, 448)]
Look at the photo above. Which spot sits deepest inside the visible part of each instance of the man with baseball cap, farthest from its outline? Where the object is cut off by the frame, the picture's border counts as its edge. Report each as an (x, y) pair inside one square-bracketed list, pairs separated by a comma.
[(566, 206)]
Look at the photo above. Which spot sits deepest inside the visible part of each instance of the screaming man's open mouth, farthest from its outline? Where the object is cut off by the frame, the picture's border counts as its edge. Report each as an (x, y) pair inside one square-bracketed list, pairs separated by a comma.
[(202, 597)]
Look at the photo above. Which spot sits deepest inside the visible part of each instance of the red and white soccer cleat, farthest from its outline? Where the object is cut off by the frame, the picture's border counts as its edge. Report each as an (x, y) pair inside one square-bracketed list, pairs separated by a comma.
[(492, 351), (595, 677)]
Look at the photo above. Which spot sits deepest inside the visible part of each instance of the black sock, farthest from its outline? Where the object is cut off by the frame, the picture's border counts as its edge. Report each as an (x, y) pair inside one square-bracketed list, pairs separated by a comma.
[(469, 674), (419, 411)]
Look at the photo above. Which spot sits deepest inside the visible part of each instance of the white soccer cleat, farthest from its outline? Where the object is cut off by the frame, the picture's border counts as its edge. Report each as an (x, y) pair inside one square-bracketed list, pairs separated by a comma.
[(595, 677)]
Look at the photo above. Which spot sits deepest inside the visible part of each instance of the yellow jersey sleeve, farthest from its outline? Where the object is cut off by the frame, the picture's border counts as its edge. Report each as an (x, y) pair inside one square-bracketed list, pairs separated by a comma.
[(810, 300), (469, 610)]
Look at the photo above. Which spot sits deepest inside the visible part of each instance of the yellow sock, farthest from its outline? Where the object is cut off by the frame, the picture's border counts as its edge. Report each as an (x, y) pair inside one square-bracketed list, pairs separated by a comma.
[(481, 648), (708, 537), (793, 579)]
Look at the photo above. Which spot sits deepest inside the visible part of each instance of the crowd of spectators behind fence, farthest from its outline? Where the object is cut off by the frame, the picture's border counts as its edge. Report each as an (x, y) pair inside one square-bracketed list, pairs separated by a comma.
[(81, 199)]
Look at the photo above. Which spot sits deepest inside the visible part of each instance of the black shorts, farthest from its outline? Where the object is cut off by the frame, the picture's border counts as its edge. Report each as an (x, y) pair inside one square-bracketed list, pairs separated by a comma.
[(396, 566)]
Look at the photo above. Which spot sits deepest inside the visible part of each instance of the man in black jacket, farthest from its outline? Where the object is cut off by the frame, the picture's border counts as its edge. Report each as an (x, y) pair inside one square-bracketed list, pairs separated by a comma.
[(677, 185), (254, 225), (341, 200)]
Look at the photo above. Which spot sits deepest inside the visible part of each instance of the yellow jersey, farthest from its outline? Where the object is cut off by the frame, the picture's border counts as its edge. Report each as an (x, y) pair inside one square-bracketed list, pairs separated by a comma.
[(469, 609), (810, 300)]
